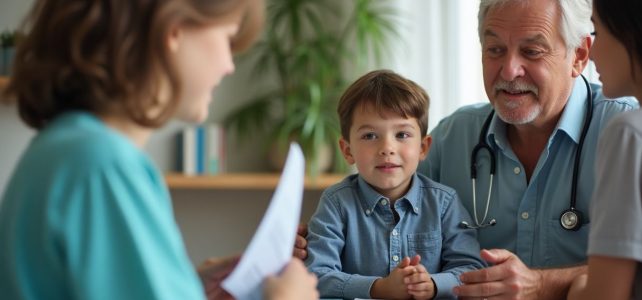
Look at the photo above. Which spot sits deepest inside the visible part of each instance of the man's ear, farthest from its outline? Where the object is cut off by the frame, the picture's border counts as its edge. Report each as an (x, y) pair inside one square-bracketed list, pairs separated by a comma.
[(425, 146), (581, 56), (346, 151)]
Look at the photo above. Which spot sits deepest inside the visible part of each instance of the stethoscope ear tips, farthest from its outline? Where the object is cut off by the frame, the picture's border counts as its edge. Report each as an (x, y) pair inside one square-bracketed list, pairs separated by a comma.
[(464, 225)]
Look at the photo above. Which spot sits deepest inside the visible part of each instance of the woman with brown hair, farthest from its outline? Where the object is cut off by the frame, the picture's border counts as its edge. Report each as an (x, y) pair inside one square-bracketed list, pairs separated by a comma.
[(86, 214)]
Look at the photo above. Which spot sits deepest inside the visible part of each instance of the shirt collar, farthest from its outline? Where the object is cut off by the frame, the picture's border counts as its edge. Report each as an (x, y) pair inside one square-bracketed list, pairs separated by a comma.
[(497, 132), (571, 121), (370, 197)]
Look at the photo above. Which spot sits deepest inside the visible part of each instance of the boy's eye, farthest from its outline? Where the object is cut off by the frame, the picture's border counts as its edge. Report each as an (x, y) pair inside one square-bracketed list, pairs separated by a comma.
[(369, 136), (403, 135)]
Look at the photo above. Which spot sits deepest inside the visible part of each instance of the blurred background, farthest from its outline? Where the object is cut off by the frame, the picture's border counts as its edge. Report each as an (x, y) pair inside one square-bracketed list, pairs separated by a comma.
[(286, 88)]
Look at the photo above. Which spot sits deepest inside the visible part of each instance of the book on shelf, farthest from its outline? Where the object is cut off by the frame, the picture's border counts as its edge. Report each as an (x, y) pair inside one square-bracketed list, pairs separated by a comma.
[(201, 150)]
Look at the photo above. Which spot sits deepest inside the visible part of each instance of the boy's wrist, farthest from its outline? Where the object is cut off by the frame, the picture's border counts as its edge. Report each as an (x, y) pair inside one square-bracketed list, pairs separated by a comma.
[(384, 288), (434, 288), (378, 288)]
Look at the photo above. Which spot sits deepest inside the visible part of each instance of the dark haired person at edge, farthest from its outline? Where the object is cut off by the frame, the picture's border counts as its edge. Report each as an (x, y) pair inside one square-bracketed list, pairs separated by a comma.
[(533, 53), (615, 238), (86, 214)]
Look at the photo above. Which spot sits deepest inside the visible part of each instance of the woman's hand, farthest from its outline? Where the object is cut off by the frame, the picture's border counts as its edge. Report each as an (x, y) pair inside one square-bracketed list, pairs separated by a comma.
[(294, 283), (212, 273)]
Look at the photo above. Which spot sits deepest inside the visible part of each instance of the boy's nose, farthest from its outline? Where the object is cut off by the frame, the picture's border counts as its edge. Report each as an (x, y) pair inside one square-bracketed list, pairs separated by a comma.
[(387, 149)]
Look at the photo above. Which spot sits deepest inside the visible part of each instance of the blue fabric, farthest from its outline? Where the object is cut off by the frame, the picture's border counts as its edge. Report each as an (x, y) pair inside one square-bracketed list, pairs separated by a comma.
[(353, 238), (86, 215), (527, 214)]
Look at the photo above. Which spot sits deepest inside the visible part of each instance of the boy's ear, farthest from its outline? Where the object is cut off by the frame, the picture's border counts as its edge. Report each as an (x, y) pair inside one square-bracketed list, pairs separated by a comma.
[(426, 141), (346, 151), (173, 38)]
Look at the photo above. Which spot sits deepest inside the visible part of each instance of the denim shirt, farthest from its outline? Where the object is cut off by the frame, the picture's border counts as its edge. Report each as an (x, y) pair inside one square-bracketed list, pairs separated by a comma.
[(353, 238), (527, 212)]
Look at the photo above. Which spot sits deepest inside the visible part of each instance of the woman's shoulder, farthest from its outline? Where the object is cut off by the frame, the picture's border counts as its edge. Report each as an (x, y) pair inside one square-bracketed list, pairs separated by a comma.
[(629, 121), (82, 141)]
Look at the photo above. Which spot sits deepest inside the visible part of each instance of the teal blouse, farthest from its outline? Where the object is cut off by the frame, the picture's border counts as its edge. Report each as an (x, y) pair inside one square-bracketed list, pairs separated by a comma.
[(86, 215)]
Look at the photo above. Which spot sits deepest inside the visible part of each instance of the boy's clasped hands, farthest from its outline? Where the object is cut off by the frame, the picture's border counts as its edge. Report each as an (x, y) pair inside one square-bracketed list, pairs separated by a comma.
[(409, 280)]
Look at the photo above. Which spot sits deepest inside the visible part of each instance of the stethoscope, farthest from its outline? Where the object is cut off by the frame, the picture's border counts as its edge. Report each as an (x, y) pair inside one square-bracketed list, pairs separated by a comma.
[(571, 218)]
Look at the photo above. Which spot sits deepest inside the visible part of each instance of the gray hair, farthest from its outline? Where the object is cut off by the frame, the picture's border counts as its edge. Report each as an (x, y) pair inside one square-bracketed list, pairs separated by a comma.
[(575, 24)]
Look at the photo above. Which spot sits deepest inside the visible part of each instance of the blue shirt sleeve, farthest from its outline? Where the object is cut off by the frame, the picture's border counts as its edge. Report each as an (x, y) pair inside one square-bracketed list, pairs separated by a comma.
[(460, 250)]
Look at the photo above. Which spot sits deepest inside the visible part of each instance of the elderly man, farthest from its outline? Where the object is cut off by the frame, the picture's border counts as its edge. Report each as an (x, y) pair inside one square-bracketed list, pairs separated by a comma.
[(541, 134), (533, 52)]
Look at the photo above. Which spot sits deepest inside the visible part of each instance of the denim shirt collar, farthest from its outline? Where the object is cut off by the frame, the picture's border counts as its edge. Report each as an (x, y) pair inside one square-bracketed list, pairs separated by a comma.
[(370, 197), (571, 121)]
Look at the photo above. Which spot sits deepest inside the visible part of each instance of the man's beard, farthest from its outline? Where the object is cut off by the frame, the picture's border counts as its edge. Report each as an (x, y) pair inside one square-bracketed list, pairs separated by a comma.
[(508, 111)]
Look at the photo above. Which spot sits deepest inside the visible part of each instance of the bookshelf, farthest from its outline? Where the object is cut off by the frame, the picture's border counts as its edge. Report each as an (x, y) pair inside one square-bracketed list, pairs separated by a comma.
[(244, 181)]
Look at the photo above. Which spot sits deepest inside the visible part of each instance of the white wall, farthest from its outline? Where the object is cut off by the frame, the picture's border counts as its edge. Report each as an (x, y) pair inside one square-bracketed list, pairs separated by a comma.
[(222, 223), (14, 136)]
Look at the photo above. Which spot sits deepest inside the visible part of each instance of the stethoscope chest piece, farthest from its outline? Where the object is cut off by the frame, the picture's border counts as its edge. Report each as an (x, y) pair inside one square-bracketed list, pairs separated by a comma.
[(571, 219)]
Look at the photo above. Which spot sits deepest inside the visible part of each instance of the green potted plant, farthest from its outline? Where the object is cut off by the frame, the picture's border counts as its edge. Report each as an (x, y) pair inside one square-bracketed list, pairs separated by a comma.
[(8, 47), (311, 47)]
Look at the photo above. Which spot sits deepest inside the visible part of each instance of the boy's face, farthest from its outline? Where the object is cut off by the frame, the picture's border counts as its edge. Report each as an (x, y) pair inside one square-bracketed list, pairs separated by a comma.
[(386, 149)]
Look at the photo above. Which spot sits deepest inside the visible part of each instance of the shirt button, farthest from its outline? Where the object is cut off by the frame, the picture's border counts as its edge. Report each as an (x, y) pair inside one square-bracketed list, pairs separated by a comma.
[(384, 202), (394, 232), (395, 258), (368, 211), (416, 209), (525, 215), (517, 170)]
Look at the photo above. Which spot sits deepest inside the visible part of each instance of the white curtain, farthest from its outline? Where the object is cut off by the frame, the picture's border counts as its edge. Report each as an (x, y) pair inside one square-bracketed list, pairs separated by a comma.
[(440, 51)]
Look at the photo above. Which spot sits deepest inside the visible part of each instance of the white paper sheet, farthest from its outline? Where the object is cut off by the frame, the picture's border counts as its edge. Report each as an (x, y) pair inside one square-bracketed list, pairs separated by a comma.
[(271, 247)]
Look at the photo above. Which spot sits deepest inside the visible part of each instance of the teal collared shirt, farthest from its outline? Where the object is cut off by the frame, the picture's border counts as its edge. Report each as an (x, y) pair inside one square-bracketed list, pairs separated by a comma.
[(353, 238), (527, 213)]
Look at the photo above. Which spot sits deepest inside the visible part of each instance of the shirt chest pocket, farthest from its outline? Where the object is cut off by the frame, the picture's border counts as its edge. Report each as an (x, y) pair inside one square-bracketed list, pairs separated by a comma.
[(424, 243)]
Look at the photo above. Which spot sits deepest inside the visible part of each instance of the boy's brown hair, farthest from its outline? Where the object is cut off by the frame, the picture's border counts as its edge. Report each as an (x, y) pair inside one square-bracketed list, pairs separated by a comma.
[(385, 91), (104, 55)]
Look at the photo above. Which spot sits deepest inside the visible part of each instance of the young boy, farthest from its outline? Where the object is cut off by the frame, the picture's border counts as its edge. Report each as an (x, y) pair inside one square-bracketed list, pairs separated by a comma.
[(388, 232)]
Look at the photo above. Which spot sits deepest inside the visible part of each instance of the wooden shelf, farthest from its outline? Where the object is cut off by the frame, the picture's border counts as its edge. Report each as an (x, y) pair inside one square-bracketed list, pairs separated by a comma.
[(244, 181), (4, 80)]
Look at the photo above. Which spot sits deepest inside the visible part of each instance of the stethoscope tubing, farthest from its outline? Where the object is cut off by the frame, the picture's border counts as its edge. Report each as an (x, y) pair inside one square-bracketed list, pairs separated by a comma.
[(570, 218)]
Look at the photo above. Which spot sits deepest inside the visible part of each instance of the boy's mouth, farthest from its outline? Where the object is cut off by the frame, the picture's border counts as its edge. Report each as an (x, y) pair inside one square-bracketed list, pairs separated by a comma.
[(387, 166)]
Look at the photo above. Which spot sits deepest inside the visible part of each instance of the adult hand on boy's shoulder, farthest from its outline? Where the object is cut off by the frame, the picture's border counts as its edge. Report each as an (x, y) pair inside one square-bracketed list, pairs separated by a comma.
[(212, 273), (393, 286), (300, 243)]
